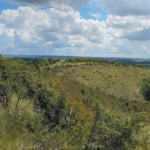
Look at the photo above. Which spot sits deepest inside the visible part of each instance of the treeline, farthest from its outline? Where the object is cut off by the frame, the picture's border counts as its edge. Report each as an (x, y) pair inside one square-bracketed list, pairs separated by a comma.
[(57, 119), (105, 61)]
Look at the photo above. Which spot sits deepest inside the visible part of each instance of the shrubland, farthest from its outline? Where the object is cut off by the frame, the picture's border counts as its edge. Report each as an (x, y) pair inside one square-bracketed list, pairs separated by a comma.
[(73, 104)]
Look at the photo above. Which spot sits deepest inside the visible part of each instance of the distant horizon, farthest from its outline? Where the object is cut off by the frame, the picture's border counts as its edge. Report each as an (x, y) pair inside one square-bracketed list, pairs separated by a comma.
[(26, 55)]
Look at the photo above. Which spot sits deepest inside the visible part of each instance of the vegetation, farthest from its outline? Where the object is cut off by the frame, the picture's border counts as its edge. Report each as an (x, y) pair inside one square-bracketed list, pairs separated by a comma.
[(146, 89), (73, 104)]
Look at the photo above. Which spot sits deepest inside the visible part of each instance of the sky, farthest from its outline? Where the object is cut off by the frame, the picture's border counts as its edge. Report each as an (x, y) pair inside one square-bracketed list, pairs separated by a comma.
[(101, 28)]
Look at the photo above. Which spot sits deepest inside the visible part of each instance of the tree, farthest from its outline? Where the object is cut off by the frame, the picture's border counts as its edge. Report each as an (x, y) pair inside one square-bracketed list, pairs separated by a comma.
[(23, 86)]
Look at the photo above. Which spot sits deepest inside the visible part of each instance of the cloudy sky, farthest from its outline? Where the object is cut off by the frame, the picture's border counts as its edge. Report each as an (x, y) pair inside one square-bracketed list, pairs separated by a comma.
[(109, 28)]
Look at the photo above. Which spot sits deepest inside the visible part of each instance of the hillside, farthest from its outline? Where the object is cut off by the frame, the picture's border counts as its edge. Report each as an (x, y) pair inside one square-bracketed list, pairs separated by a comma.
[(73, 104)]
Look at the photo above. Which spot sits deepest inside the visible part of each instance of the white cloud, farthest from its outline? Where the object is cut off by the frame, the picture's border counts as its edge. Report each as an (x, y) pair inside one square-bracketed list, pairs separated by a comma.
[(65, 32), (49, 29), (127, 7), (96, 15)]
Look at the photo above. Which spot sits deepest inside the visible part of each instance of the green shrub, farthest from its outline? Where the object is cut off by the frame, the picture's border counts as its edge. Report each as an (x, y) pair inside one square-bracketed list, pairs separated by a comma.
[(53, 110), (145, 89)]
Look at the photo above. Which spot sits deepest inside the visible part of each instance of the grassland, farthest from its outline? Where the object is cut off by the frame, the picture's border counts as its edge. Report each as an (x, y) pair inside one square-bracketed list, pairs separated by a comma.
[(114, 80), (113, 87)]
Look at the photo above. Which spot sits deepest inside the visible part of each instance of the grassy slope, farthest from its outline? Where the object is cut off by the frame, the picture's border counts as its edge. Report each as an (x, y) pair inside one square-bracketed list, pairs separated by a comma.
[(120, 81), (116, 87)]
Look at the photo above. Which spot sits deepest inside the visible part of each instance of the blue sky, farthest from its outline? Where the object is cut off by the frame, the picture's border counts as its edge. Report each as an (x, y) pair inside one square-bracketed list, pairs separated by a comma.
[(85, 11), (4, 4), (109, 28)]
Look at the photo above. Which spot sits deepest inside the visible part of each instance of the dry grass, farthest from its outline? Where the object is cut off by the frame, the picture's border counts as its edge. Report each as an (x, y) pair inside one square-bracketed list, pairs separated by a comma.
[(120, 81)]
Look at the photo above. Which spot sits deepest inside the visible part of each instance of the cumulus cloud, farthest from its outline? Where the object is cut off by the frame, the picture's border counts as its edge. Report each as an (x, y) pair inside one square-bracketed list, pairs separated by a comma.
[(65, 32), (143, 35), (50, 29), (127, 7), (131, 27)]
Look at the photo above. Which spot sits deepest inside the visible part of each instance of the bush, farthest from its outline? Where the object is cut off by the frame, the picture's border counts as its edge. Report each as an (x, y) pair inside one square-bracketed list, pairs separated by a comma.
[(5, 94), (112, 132), (145, 89), (53, 110)]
